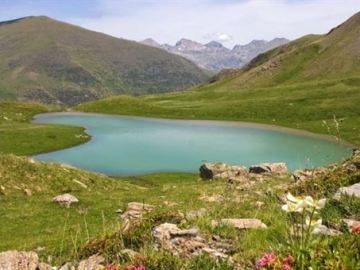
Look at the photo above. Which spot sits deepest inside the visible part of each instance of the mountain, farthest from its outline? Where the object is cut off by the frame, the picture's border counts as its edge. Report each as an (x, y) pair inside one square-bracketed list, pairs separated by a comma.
[(214, 56), (45, 60), (311, 83), (335, 55)]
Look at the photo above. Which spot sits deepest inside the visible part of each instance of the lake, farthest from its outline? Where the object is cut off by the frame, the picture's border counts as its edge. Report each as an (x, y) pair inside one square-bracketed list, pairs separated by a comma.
[(122, 145)]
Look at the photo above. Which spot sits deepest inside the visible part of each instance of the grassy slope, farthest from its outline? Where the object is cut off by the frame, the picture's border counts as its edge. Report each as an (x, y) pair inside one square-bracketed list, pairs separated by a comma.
[(300, 85), (302, 105), (19, 137), (45, 60), (34, 221)]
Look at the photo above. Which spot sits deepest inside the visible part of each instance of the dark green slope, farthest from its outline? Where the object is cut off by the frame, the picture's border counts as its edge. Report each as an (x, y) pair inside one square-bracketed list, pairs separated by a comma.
[(53, 62)]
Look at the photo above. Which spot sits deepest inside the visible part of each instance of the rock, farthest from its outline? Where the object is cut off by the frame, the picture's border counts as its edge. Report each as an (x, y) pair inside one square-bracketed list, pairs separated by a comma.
[(241, 223), (80, 183), (353, 190), (67, 266), (306, 174), (212, 198), (19, 260), (323, 230), (135, 210), (183, 242), (356, 152), (65, 199), (278, 169), (351, 223), (27, 192), (94, 262), (195, 214), (129, 253), (220, 170), (44, 266)]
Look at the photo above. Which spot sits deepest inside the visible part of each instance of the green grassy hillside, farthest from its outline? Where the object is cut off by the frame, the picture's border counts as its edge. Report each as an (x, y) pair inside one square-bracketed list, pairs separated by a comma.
[(53, 62), (312, 83), (19, 136)]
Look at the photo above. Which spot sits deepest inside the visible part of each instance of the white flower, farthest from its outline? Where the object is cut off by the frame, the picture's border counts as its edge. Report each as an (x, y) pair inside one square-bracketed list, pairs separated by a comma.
[(299, 204)]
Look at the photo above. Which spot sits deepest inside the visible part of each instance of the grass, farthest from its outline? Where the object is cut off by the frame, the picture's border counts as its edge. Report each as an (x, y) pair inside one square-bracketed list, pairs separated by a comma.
[(35, 222), (300, 105), (19, 136)]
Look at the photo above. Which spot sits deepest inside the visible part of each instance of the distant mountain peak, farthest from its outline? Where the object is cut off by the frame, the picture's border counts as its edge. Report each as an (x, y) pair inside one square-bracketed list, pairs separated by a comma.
[(189, 45), (214, 44)]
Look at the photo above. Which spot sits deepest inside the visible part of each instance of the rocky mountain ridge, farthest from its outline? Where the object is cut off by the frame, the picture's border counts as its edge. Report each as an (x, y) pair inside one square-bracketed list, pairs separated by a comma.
[(214, 56)]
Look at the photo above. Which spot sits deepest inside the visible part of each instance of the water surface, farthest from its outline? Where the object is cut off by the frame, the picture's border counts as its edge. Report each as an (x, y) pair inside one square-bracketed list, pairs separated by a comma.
[(133, 145)]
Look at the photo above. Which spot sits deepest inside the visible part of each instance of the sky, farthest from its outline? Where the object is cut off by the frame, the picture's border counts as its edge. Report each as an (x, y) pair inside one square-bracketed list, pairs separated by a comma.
[(227, 21)]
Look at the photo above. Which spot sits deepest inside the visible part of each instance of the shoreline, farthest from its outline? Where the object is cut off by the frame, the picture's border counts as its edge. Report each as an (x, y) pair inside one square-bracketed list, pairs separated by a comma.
[(272, 127)]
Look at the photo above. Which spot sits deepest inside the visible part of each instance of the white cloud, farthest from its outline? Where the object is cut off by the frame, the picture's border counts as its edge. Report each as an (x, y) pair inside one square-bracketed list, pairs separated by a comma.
[(233, 21)]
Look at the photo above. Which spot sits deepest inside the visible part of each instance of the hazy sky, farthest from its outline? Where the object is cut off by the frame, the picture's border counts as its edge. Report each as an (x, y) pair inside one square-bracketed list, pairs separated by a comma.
[(229, 21)]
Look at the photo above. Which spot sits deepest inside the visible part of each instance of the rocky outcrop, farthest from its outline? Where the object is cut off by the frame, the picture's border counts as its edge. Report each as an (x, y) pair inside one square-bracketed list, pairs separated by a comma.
[(307, 174), (240, 175), (135, 210), (220, 170), (240, 223), (185, 243), (275, 169), (19, 260), (65, 199), (353, 190)]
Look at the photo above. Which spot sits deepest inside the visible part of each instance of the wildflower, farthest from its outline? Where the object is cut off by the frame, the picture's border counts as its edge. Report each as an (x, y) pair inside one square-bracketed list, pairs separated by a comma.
[(267, 260), (111, 267), (135, 267), (356, 229), (299, 204), (287, 262)]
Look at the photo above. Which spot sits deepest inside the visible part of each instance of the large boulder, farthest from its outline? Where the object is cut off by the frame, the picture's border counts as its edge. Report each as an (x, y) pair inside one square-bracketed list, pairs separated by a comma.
[(19, 260), (220, 170), (278, 169), (65, 199), (353, 190)]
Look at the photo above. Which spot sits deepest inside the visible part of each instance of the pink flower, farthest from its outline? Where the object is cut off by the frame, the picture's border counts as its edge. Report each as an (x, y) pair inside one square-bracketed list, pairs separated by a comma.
[(267, 260), (356, 229), (287, 262), (135, 267)]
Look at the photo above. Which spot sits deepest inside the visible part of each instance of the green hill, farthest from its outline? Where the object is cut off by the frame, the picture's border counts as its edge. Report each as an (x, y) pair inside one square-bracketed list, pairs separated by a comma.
[(311, 83), (53, 62)]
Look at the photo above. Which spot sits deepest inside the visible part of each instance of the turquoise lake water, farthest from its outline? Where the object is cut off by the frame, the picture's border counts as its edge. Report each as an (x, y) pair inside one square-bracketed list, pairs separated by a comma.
[(135, 145)]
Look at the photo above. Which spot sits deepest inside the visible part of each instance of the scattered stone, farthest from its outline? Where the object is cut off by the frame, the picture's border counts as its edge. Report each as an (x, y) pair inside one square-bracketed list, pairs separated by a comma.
[(351, 223), (323, 230), (259, 204), (212, 198), (210, 171), (94, 262), (44, 266), (170, 204), (135, 210), (65, 199), (184, 243), (306, 174), (194, 214), (28, 192), (67, 266), (80, 183), (129, 253), (240, 223), (353, 190), (19, 260), (278, 169)]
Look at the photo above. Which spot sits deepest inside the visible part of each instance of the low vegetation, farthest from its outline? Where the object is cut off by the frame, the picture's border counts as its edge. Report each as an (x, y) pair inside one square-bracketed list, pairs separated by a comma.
[(317, 106), (19, 136)]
